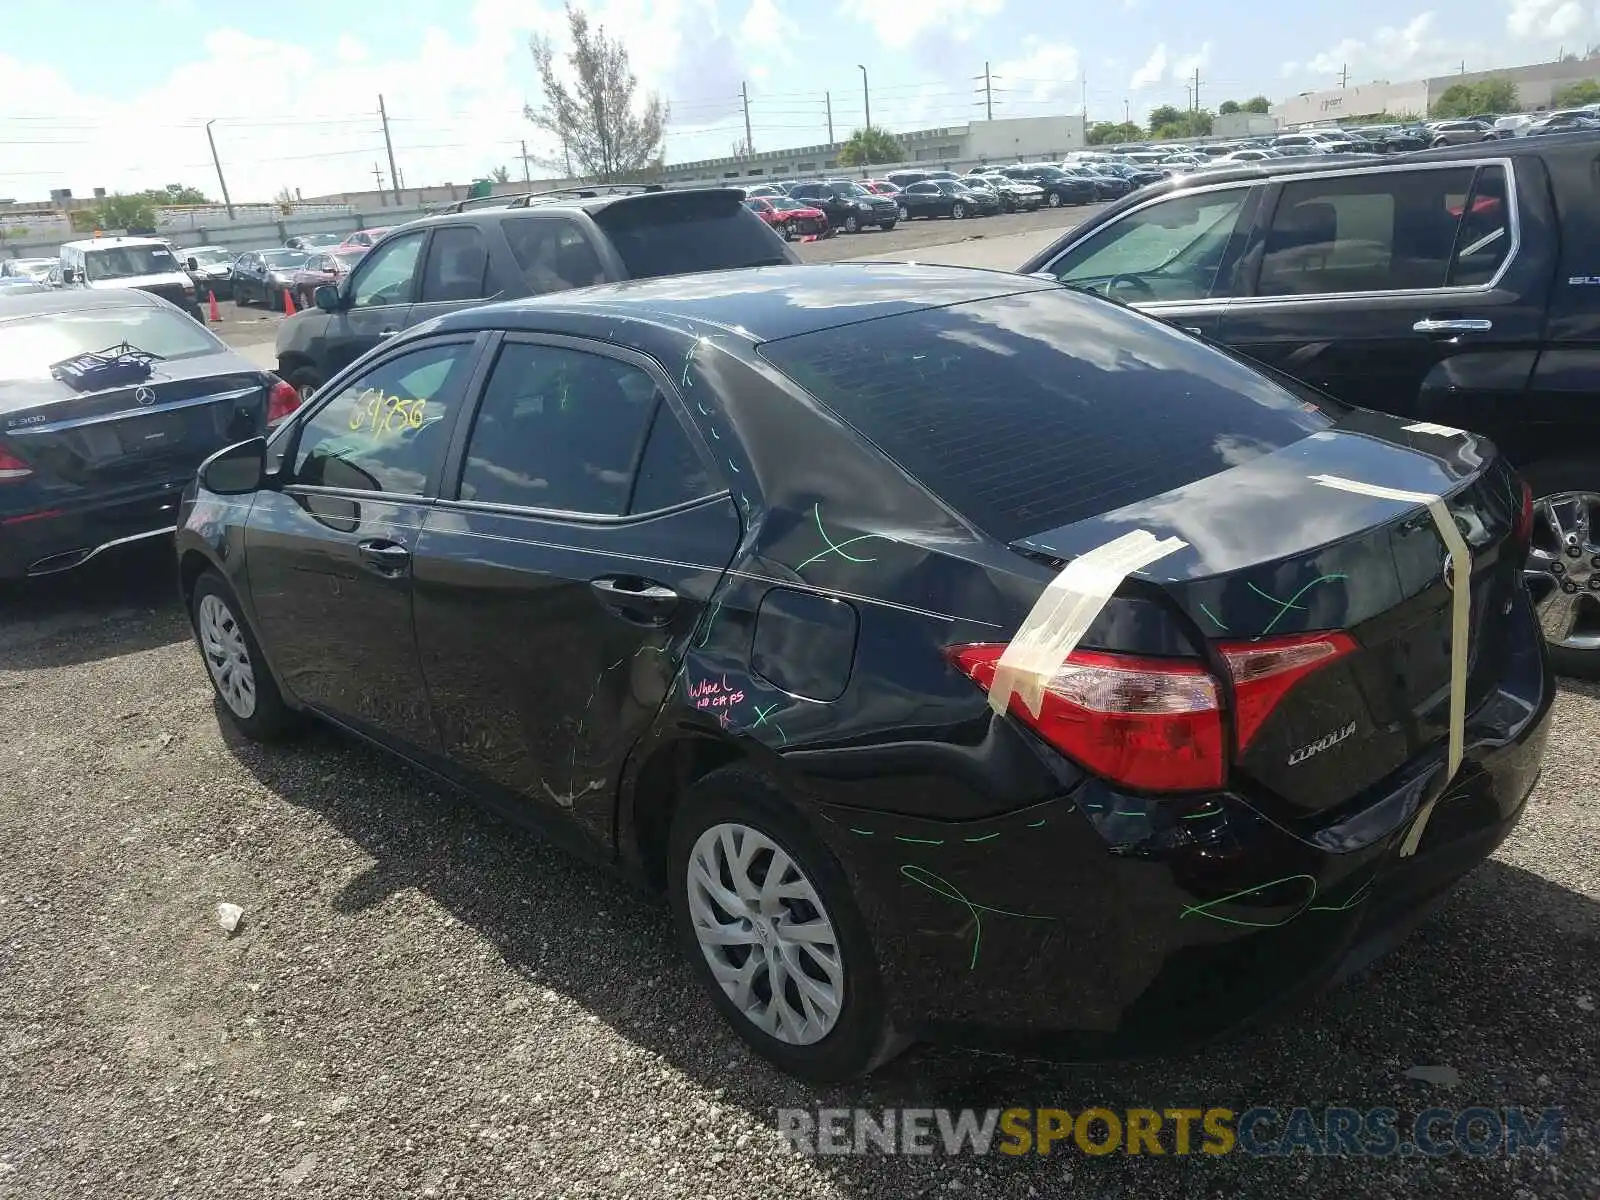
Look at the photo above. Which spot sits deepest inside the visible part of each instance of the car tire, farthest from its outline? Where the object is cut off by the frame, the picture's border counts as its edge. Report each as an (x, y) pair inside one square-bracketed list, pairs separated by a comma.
[(788, 231), (1054, 200), (240, 298), (305, 381), (904, 215), (738, 802), (888, 226), (851, 225), (1437, 142), (958, 211), (239, 674), (1551, 479), (303, 300)]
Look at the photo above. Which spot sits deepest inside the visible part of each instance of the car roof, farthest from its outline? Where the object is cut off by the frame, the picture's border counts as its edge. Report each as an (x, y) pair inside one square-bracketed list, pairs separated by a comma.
[(58, 300), (759, 304), (586, 199), (102, 242)]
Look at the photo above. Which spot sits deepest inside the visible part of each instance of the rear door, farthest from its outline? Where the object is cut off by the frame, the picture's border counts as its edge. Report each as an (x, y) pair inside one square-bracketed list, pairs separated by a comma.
[(1410, 289), (558, 584), (329, 549), (1176, 257), (377, 300)]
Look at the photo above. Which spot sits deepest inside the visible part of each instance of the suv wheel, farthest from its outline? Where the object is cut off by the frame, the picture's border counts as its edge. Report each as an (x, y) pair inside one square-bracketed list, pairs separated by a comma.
[(768, 919), (851, 225), (305, 381), (1054, 200), (1563, 571), (238, 670)]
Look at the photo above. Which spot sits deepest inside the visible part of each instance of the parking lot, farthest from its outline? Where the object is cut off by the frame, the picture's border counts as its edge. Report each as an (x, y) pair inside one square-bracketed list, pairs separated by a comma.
[(424, 1001)]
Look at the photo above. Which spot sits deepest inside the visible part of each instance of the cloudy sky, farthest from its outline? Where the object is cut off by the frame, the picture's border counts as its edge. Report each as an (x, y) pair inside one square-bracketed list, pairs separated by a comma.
[(94, 98)]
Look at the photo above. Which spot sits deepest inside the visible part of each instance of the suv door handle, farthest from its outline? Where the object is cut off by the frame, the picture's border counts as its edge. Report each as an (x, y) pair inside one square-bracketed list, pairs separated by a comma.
[(385, 557), (390, 332), (639, 601), (1453, 325)]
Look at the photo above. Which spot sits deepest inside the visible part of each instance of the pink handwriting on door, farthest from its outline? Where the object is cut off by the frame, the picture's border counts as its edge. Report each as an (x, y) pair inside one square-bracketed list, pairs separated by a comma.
[(715, 693)]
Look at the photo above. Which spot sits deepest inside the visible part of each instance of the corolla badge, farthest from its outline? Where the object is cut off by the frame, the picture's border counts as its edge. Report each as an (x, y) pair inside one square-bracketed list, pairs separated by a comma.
[(1324, 742), (145, 397)]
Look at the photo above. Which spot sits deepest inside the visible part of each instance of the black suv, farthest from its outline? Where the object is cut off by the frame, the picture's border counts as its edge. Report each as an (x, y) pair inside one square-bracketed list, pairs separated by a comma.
[(543, 243), (1456, 286), (849, 206)]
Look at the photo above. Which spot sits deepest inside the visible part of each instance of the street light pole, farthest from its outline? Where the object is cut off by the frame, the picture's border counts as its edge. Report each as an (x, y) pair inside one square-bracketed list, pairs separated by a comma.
[(866, 96), (227, 203)]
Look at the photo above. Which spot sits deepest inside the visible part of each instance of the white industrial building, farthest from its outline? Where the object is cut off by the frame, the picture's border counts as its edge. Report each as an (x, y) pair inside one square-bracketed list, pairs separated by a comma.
[(1010, 139), (1536, 88)]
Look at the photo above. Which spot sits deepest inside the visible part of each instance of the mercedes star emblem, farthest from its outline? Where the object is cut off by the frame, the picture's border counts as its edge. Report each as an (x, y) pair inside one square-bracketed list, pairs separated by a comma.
[(145, 397)]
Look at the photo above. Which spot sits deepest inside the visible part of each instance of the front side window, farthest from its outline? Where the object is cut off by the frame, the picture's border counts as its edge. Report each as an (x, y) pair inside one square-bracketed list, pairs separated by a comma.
[(386, 430), (558, 429), (1379, 231), (388, 274), (1170, 250)]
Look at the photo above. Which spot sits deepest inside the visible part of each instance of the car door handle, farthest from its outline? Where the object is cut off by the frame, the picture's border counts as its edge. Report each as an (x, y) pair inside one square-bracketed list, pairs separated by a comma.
[(1432, 325), (385, 557), (390, 332), (637, 600)]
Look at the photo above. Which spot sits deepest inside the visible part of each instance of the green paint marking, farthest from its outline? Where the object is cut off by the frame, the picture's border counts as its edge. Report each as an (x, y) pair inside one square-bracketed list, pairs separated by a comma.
[(916, 841), (1214, 618), (1356, 898), (705, 636), (862, 832), (940, 886), (1285, 606), (834, 547), (762, 716), (1127, 812), (1205, 910), (988, 837), (1210, 812), (1037, 823)]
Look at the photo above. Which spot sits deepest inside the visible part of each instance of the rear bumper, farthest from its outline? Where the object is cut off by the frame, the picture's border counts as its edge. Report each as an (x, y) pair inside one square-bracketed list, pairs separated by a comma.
[(50, 540), (1104, 924)]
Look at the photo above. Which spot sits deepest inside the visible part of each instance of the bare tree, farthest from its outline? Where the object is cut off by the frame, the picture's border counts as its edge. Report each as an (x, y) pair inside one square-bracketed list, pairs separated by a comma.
[(500, 174), (741, 148), (594, 118)]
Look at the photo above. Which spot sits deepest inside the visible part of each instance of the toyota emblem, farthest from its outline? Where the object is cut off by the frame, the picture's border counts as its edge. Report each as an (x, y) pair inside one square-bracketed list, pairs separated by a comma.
[(145, 397), (1450, 571)]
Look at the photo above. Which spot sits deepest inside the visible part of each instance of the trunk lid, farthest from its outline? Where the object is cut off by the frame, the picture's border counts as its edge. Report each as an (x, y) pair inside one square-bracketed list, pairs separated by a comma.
[(166, 425), (1272, 552)]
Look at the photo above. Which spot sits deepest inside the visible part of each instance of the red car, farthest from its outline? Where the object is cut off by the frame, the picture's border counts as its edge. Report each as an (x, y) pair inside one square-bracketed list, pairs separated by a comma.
[(328, 267), (791, 218), (881, 187), (362, 240)]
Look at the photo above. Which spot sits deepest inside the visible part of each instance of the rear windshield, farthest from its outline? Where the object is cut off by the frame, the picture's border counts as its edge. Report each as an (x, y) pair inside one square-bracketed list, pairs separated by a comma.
[(29, 345), (1028, 412), (668, 236), (285, 258)]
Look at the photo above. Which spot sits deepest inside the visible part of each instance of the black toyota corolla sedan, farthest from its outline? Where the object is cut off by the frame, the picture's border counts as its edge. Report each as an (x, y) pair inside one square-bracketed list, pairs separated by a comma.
[(109, 400), (962, 656)]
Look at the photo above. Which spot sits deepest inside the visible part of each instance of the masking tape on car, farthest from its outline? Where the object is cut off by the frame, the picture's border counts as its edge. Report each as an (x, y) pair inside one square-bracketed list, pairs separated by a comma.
[(1458, 574), (1064, 612), (1431, 427)]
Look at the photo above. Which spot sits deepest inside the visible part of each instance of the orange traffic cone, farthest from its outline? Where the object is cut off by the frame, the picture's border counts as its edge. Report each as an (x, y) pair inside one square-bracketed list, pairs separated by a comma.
[(288, 303), (214, 314)]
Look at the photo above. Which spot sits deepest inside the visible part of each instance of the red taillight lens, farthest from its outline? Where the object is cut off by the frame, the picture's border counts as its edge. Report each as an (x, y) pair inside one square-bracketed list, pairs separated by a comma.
[(1264, 671), (12, 468), (1523, 530), (282, 401), (1147, 723)]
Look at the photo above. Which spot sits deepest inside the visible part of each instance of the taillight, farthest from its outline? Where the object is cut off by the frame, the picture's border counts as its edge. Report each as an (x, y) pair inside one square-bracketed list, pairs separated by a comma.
[(1148, 723), (1264, 671), (12, 468), (282, 401), (1523, 529)]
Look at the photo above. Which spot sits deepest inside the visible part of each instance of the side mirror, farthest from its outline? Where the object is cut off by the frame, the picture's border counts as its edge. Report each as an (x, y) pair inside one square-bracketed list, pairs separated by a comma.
[(191, 263), (68, 275), (327, 298), (236, 470)]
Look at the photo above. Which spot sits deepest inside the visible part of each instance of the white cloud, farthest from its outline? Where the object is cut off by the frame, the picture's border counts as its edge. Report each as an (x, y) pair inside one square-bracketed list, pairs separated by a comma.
[(1047, 76), (899, 23), (766, 26), (1394, 52), (1544, 18), (1185, 68), (1153, 71)]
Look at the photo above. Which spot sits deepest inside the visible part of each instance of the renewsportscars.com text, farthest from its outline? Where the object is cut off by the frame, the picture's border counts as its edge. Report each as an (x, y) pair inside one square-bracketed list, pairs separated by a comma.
[(1478, 1132)]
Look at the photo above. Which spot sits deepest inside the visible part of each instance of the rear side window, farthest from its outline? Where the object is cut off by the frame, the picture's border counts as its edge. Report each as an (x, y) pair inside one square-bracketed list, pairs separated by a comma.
[(552, 253), (670, 472), (1378, 231), (1032, 411), (676, 235), (458, 266)]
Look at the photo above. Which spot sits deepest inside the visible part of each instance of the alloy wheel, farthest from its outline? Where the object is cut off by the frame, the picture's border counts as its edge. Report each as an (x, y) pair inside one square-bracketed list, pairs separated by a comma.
[(1563, 571), (765, 934), (958, 210), (851, 225), (227, 656), (1055, 199), (904, 215)]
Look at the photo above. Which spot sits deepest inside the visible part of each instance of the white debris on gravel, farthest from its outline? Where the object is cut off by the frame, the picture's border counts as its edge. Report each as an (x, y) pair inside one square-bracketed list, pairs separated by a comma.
[(229, 916)]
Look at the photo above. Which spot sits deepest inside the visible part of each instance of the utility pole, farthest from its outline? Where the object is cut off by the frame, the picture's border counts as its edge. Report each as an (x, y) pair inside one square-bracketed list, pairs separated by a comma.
[(221, 182), (749, 146), (1197, 89), (866, 96), (1127, 112), (1085, 103), (525, 177), (988, 92), (393, 174), (828, 99), (377, 176), (1344, 75)]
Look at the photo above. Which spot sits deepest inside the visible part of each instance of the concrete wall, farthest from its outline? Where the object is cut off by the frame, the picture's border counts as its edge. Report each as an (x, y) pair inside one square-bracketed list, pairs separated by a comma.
[(1238, 125), (1024, 137), (1536, 84), (1340, 103)]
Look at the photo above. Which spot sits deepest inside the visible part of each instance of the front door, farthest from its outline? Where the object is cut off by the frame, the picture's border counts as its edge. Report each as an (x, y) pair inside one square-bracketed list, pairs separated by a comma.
[(556, 595), (1398, 289), (377, 304), (1176, 258), (329, 551), (458, 273)]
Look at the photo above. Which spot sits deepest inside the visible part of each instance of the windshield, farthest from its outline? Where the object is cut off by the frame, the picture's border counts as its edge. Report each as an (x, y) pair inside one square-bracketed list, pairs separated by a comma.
[(29, 345), (849, 189), (347, 259), (284, 258), (209, 258), (128, 262), (668, 234), (1051, 174), (33, 268)]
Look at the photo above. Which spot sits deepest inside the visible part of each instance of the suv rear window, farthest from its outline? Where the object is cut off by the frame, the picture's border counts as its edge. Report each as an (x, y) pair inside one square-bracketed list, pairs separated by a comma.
[(675, 235), (1032, 411)]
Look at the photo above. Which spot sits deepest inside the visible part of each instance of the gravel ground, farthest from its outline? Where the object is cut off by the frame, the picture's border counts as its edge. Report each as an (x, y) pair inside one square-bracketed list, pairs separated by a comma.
[(424, 1001)]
